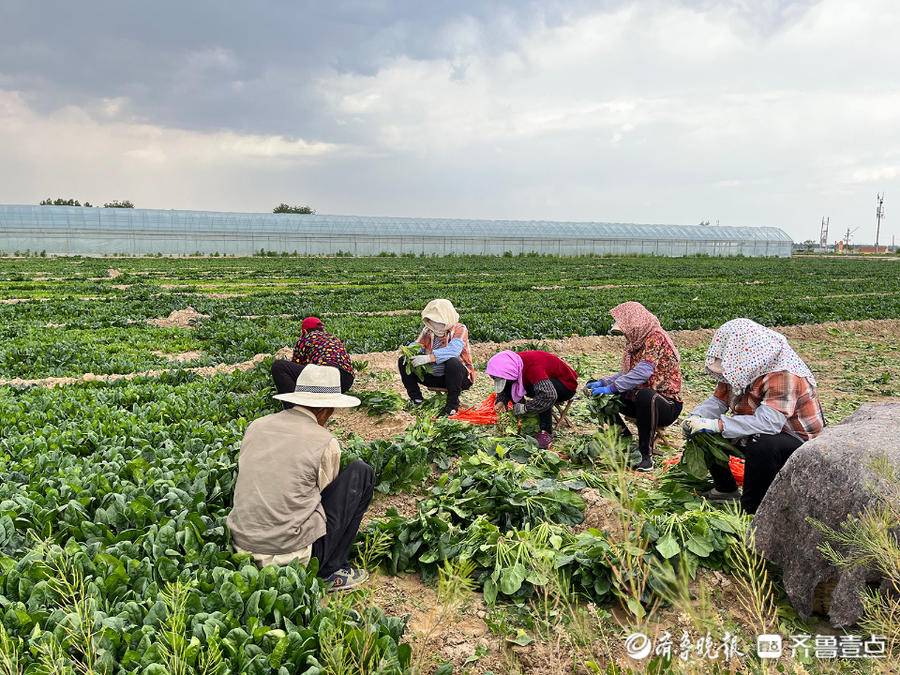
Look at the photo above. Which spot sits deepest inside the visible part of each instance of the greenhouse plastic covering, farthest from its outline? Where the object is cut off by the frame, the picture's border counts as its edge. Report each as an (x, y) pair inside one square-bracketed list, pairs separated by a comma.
[(71, 230)]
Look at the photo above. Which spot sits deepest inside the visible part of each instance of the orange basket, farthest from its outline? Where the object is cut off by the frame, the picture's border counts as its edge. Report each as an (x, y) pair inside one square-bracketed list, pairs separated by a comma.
[(736, 464)]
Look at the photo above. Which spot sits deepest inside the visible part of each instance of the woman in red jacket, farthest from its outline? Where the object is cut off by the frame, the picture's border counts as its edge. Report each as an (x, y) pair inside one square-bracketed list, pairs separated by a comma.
[(543, 377)]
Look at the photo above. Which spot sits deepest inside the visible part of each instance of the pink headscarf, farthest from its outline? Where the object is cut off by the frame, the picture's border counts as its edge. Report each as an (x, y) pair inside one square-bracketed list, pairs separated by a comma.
[(509, 366), (637, 323)]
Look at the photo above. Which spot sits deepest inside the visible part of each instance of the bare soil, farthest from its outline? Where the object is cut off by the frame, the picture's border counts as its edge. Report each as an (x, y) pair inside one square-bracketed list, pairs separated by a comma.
[(179, 318), (683, 338), (437, 633), (358, 421), (204, 371), (602, 514), (405, 504), (180, 357)]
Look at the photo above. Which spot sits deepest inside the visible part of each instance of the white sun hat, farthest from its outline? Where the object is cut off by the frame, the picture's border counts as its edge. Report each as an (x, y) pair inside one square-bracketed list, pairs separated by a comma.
[(319, 387)]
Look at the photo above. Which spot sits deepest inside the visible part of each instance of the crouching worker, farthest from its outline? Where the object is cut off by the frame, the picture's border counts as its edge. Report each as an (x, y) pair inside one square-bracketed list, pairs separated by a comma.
[(291, 501), (771, 395), (315, 346), (543, 377), (444, 347), (650, 381)]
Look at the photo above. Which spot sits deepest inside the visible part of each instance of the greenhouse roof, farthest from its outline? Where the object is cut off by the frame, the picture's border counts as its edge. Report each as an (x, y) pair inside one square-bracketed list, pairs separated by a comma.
[(61, 217)]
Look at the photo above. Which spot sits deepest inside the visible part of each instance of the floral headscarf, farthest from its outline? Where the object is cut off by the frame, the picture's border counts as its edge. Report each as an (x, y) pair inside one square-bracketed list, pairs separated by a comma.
[(509, 366), (638, 323), (749, 351)]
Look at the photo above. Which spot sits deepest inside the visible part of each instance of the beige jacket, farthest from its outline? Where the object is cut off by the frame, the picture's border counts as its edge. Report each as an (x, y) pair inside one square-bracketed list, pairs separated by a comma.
[(286, 460)]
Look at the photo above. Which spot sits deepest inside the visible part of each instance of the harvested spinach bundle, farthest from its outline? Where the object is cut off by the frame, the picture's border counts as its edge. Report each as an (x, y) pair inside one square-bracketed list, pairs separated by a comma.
[(701, 447), (409, 352), (605, 407), (380, 402)]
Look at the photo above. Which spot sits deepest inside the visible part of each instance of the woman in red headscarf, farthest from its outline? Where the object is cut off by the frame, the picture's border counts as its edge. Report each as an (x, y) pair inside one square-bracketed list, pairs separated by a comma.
[(314, 346), (650, 381)]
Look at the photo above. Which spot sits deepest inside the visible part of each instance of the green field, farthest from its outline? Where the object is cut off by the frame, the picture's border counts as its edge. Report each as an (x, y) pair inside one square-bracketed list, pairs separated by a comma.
[(113, 497), (78, 320)]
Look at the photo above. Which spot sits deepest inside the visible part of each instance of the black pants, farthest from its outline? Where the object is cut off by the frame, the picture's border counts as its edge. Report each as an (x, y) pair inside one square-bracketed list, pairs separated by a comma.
[(345, 500), (764, 455), (562, 394), (651, 411), (455, 380), (285, 374)]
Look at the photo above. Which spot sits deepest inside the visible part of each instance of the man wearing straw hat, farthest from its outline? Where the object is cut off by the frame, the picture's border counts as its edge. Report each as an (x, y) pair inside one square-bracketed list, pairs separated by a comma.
[(291, 501)]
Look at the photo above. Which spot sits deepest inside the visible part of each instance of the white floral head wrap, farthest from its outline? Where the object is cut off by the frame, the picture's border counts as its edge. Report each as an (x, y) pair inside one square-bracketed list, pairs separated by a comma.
[(748, 351)]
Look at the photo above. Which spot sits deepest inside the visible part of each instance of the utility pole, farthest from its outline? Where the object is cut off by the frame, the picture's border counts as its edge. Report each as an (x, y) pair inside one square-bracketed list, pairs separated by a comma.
[(879, 214), (823, 231), (847, 236)]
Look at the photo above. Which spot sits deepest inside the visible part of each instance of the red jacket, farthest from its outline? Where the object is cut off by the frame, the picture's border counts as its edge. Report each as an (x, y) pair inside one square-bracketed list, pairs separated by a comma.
[(544, 366)]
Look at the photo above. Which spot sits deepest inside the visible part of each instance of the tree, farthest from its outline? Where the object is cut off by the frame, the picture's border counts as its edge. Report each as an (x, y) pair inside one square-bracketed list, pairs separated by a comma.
[(124, 204), (59, 201), (299, 208)]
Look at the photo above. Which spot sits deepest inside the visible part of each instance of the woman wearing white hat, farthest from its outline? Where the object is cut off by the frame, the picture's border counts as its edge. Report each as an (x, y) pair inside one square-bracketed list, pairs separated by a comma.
[(444, 345), (291, 501)]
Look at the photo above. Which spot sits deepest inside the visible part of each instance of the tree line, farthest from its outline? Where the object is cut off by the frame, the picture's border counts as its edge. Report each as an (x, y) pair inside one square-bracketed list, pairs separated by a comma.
[(60, 201), (127, 204)]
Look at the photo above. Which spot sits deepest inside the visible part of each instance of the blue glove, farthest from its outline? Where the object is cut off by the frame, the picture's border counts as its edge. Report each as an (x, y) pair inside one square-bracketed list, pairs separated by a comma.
[(602, 389)]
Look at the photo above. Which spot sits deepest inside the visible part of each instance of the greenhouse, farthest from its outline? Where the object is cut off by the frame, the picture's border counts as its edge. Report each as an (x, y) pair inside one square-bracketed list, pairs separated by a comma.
[(72, 230)]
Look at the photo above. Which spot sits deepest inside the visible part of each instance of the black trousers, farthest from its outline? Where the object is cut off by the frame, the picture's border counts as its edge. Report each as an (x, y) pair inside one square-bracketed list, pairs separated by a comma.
[(764, 455), (545, 418), (455, 380), (650, 410), (345, 500), (285, 374)]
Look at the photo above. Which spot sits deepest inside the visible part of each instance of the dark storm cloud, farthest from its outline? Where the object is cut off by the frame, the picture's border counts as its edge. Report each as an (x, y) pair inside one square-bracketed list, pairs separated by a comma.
[(251, 66), (245, 66)]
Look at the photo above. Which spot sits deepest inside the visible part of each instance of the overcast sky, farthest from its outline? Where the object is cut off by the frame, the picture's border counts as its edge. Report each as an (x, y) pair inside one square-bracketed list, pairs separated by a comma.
[(749, 112)]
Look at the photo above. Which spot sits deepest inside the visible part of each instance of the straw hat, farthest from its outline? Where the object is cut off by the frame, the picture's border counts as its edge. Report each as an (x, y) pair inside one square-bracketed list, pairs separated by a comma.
[(319, 387)]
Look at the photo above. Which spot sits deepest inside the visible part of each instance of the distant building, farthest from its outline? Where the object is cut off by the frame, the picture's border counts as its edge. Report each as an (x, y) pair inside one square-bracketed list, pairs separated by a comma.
[(69, 230), (869, 249)]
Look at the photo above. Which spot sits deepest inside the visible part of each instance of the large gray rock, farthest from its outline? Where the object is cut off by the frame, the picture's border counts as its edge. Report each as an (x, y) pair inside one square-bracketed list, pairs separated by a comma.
[(828, 478)]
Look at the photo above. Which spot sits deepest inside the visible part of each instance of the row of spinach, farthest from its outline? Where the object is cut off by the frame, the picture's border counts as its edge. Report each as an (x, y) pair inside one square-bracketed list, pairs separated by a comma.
[(115, 555)]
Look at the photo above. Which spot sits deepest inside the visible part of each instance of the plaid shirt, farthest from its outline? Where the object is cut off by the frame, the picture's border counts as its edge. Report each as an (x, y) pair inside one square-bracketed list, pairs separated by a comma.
[(789, 394), (322, 349)]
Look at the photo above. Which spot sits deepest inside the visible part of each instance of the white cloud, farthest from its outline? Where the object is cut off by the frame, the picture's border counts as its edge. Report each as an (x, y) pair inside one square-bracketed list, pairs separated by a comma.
[(94, 153), (648, 111), (655, 98)]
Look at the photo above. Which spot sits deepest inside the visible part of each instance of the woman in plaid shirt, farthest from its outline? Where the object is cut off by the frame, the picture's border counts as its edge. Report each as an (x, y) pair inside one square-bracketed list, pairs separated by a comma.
[(771, 395)]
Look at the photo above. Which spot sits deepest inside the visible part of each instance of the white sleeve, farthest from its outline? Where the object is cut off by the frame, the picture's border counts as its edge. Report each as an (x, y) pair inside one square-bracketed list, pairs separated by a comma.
[(712, 408), (764, 420)]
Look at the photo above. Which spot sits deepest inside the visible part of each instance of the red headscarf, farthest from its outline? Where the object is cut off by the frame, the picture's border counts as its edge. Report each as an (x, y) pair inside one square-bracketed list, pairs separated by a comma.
[(311, 323), (637, 323)]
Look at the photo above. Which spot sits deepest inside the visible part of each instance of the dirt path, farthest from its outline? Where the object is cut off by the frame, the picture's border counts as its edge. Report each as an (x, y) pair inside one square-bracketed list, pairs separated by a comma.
[(387, 361), (683, 338), (204, 371)]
